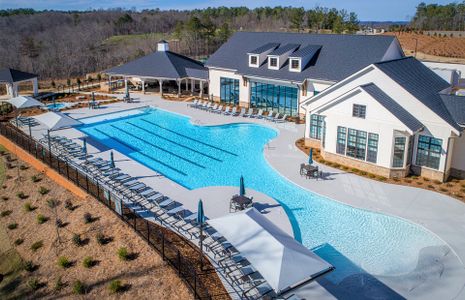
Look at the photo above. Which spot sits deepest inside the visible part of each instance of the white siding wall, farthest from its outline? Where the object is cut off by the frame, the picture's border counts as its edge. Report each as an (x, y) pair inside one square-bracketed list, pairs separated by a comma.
[(435, 126), (458, 158)]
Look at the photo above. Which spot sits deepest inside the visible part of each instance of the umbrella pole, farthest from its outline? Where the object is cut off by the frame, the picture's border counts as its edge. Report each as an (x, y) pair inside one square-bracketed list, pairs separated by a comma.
[(49, 147), (30, 129), (201, 246)]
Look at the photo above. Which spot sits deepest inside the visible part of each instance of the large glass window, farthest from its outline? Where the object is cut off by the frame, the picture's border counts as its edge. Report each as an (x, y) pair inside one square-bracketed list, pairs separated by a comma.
[(359, 111), (316, 126), (229, 90), (341, 140), (356, 144), (429, 151), (372, 149), (270, 97), (399, 152)]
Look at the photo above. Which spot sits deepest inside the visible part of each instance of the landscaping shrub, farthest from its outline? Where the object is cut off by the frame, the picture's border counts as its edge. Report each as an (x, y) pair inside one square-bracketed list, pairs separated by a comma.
[(12, 226), (41, 219), (449, 185), (69, 205), (5, 213), (408, 180), (463, 185), (64, 262), (101, 240), (5, 198), (363, 173), (88, 262), (43, 190), (59, 223), (59, 284), (425, 179), (77, 240), (35, 178), (437, 181), (382, 178), (430, 186), (21, 195), (123, 253), (79, 288), (88, 218), (115, 286), (33, 284), (419, 183), (443, 189), (396, 179), (52, 203), (29, 266), (354, 170), (37, 245), (28, 207), (23, 167), (18, 242)]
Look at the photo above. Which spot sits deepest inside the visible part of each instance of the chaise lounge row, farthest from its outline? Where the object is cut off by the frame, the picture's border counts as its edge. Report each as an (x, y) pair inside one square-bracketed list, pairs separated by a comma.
[(232, 111)]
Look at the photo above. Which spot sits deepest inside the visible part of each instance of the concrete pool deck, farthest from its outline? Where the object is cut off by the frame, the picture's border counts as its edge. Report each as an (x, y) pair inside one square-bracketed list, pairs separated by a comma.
[(440, 272)]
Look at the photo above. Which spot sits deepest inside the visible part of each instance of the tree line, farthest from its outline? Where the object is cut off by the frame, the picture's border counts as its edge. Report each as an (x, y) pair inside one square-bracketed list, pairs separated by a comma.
[(56, 44), (439, 17)]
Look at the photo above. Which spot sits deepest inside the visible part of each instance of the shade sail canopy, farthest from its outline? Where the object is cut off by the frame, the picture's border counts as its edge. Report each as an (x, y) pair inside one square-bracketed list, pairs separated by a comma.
[(11, 75), (56, 120), (24, 102), (282, 261)]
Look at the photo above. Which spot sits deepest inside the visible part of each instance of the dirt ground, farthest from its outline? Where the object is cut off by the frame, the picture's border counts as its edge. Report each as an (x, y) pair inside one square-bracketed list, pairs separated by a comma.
[(442, 49), (145, 276)]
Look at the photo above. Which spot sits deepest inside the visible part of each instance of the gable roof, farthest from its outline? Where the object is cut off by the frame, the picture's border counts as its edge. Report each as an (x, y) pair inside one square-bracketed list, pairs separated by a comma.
[(392, 106), (12, 75), (162, 64), (456, 107), (420, 82), (339, 57)]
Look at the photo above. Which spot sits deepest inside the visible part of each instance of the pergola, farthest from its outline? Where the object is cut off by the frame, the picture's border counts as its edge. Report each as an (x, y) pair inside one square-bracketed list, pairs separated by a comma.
[(162, 66), (12, 78)]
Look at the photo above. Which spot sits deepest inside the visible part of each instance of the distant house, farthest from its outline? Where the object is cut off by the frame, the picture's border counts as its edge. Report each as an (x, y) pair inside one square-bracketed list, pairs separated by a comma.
[(390, 118), (277, 71)]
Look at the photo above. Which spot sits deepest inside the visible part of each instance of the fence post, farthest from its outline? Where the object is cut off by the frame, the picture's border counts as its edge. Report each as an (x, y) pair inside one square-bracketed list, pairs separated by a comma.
[(87, 183), (98, 191), (195, 284), (148, 230), (163, 245), (67, 170), (179, 263)]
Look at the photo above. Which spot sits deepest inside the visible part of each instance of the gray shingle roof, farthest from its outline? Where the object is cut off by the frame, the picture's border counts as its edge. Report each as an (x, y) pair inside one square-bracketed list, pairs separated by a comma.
[(12, 75), (340, 55), (264, 48), (162, 64), (392, 106), (456, 107), (304, 51), (421, 82), (284, 49)]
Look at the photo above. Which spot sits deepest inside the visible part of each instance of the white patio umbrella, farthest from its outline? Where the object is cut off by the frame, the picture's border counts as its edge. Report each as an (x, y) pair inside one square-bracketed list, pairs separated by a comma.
[(54, 120), (282, 261), (23, 102)]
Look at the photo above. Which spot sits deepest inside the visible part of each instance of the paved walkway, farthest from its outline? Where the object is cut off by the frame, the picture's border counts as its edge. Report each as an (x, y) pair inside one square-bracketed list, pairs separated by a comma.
[(440, 214)]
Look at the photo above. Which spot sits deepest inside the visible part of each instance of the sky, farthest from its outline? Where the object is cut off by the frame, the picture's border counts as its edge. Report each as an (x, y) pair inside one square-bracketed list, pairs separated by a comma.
[(367, 10)]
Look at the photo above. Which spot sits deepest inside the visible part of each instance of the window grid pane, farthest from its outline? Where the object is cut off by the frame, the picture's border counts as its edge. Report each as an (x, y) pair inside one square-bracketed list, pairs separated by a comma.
[(341, 140), (229, 90), (372, 152), (269, 97), (316, 126), (399, 152), (429, 151), (359, 111)]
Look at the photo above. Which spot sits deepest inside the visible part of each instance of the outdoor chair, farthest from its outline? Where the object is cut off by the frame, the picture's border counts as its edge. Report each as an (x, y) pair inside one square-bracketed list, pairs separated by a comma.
[(258, 115), (249, 113), (213, 108), (312, 173), (280, 120), (194, 103), (241, 114), (219, 110), (233, 111), (227, 111), (270, 116), (207, 107)]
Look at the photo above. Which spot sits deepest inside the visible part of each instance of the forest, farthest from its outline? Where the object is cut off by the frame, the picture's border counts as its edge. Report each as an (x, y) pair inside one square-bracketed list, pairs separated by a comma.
[(56, 44), (439, 17)]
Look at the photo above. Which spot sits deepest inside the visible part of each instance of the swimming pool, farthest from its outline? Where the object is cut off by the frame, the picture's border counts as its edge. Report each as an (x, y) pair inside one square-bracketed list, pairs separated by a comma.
[(198, 156), (56, 106)]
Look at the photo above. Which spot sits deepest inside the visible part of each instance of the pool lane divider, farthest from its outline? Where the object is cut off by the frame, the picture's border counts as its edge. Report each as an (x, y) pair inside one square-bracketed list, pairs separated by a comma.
[(171, 141), (158, 147), (137, 150), (189, 138)]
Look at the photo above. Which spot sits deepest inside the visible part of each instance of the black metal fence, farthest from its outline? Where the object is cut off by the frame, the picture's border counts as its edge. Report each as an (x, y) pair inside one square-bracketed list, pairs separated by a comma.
[(178, 252)]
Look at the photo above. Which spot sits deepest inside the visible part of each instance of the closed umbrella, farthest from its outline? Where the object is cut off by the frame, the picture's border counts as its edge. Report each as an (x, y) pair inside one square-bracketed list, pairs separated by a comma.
[(84, 146), (200, 220), (310, 156), (112, 160), (242, 187)]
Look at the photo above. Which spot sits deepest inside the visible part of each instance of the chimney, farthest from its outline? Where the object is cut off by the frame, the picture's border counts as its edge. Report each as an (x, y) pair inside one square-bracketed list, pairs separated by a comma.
[(163, 46)]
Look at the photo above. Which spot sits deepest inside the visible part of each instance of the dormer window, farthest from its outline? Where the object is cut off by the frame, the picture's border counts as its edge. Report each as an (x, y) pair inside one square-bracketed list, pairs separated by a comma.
[(253, 61), (273, 63), (294, 65)]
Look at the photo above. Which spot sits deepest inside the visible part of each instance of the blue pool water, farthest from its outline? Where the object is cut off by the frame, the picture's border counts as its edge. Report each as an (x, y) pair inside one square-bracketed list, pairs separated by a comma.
[(55, 106), (199, 156)]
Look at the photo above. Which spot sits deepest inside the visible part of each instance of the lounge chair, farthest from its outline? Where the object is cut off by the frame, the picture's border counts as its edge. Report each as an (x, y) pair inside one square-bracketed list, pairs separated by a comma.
[(227, 111), (219, 110), (241, 114), (249, 113), (202, 105), (280, 120), (214, 107), (258, 115), (207, 107), (193, 104), (270, 116), (233, 112)]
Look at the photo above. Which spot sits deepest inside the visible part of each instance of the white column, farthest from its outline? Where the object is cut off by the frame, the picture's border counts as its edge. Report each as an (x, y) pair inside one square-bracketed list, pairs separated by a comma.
[(9, 90), (109, 83), (35, 87), (201, 88), (192, 86), (15, 90), (125, 83), (187, 84), (143, 86), (161, 87), (179, 87)]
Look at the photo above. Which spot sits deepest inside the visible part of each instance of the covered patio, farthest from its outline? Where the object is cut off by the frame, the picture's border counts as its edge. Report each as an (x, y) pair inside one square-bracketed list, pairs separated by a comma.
[(165, 71), (12, 78)]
